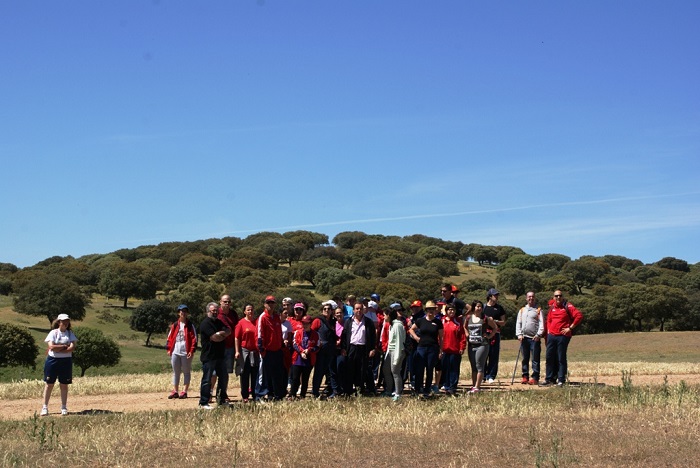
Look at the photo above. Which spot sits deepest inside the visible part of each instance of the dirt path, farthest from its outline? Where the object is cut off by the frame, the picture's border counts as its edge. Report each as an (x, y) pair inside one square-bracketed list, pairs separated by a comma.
[(131, 403)]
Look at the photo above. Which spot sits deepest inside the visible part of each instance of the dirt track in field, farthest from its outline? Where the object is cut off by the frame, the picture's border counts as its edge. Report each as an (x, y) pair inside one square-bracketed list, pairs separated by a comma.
[(132, 403)]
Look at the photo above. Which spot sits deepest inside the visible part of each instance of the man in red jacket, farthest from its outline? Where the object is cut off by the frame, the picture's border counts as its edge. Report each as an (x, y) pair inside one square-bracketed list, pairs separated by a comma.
[(562, 319), (274, 375)]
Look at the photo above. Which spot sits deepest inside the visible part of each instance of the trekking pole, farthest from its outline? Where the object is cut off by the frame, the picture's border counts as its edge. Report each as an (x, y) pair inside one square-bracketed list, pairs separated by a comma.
[(516, 363)]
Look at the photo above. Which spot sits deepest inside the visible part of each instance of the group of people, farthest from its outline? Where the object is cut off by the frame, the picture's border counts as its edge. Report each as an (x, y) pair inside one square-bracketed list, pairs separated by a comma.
[(357, 348), (354, 347)]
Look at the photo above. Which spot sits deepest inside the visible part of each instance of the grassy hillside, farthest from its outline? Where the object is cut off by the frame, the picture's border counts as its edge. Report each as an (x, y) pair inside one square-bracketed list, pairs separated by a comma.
[(113, 321)]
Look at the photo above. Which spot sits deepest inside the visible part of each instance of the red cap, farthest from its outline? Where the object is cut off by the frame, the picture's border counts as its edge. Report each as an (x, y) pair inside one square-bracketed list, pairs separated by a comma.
[(455, 289), (270, 299), (416, 304)]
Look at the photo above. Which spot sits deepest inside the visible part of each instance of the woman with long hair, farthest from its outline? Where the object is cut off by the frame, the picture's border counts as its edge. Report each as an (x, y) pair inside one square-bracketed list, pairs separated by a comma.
[(247, 352), (480, 329), (393, 359), (453, 346)]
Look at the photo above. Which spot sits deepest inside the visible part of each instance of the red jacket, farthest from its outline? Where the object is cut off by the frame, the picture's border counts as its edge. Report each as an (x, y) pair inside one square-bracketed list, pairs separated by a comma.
[(312, 346), (190, 337), (296, 324), (269, 332), (384, 335), (559, 318), (454, 340)]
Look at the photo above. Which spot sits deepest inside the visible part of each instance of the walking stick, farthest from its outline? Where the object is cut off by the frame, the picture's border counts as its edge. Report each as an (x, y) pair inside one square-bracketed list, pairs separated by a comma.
[(516, 363)]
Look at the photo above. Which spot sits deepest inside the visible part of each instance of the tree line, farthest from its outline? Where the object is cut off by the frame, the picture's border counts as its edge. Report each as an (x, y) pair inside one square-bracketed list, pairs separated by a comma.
[(614, 292)]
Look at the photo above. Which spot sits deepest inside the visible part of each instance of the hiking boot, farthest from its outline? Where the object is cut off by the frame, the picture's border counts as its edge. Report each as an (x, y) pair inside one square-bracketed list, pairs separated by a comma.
[(532, 382), (172, 395), (524, 381), (547, 383)]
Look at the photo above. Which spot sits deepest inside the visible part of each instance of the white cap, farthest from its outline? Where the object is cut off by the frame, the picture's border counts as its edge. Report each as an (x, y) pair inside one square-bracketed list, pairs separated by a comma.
[(63, 317), (330, 303), (372, 305)]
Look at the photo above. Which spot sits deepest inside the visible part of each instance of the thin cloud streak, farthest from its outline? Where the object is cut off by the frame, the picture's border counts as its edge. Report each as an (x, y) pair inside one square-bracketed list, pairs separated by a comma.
[(577, 228), (463, 213), (589, 229)]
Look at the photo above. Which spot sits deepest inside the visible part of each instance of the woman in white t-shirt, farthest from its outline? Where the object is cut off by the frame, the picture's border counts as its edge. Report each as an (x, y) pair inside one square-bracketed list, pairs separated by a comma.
[(59, 362)]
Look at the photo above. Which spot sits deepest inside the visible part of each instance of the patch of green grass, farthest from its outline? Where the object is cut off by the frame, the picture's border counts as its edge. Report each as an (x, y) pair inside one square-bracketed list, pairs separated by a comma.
[(114, 322), (472, 270)]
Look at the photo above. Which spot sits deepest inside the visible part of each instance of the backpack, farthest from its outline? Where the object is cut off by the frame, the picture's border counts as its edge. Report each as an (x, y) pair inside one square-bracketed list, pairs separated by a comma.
[(565, 305)]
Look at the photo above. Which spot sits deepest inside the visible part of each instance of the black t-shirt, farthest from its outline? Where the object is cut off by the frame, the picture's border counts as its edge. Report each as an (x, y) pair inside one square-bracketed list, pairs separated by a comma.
[(211, 350), (428, 331), (459, 305), (495, 312), (326, 333)]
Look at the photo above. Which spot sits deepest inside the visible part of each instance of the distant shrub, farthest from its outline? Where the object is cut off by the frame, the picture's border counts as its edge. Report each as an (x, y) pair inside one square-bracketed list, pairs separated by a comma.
[(94, 349), (17, 346)]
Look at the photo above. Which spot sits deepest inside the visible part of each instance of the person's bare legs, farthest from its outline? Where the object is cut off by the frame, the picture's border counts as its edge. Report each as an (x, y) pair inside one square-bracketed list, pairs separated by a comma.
[(64, 394), (47, 393)]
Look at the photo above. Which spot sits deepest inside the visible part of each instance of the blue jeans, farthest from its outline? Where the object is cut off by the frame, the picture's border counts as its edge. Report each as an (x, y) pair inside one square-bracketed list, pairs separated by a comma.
[(208, 369), (425, 360), (450, 370), (532, 348), (556, 357), (491, 371)]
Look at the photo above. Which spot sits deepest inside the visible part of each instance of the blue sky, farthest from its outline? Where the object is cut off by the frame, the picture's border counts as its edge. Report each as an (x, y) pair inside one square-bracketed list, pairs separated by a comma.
[(567, 127)]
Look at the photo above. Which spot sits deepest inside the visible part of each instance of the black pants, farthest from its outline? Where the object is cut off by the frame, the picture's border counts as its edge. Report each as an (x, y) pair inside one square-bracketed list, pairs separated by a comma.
[(249, 376), (326, 366), (208, 368), (274, 375), (357, 376), (300, 374)]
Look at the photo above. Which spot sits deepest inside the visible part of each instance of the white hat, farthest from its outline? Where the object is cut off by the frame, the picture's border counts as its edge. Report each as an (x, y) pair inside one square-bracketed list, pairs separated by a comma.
[(331, 303), (372, 305), (63, 317)]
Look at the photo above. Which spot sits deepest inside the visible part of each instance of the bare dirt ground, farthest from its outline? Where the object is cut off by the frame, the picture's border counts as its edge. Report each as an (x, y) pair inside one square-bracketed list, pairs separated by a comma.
[(137, 402)]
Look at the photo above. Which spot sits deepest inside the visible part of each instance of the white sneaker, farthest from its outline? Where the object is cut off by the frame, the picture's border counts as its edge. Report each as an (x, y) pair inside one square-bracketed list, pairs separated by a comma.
[(44, 411), (490, 381), (206, 407), (64, 412)]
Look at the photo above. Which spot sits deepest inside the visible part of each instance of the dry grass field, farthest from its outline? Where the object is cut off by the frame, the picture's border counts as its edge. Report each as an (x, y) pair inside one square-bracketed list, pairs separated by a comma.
[(638, 404)]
